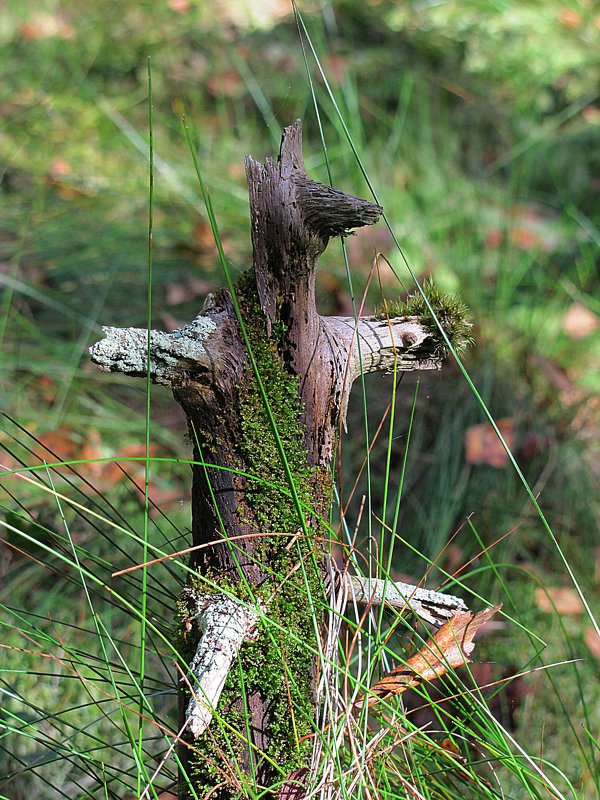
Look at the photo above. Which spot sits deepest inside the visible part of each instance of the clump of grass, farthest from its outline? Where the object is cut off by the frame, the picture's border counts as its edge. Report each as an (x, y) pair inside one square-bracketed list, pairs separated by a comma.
[(451, 314)]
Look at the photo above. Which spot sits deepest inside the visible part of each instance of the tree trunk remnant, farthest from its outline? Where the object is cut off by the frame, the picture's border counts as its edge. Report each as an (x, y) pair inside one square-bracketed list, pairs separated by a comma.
[(262, 478)]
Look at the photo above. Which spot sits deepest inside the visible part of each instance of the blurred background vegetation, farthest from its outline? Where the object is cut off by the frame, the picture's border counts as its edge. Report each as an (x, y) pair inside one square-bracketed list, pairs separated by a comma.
[(478, 124)]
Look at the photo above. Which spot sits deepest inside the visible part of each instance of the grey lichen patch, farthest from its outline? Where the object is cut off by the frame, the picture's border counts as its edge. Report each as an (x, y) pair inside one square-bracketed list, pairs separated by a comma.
[(126, 349), (199, 329), (451, 313), (224, 624)]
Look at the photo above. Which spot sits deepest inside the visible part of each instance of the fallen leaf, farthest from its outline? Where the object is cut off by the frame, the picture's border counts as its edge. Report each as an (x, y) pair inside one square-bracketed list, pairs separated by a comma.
[(451, 747), (227, 83), (562, 600), (203, 236), (523, 238), (57, 445), (482, 445), (570, 18), (60, 177), (46, 26), (592, 640), (179, 6), (265, 14), (529, 228), (92, 449), (579, 322), (448, 649), (336, 68), (494, 238), (59, 168), (591, 113), (46, 389), (236, 171), (502, 689)]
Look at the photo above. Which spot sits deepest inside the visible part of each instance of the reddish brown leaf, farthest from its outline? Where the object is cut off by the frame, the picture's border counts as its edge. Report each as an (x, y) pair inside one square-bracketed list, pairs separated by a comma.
[(58, 444), (592, 640), (179, 6), (227, 83), (562, 600), (203, 236), (336, 68), (570, 18), (494, 238), (529, 227), (524, 238), (579, 322), (46, 26), (92, 449), (450, 648), (451, 747), (482, 445)]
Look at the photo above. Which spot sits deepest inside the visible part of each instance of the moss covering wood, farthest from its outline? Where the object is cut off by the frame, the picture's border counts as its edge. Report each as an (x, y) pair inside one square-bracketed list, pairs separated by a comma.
[(281, 663), (451, 314)]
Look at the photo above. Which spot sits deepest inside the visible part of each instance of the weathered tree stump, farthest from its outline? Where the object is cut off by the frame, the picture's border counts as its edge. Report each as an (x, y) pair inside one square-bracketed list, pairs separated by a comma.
[(262, 479)]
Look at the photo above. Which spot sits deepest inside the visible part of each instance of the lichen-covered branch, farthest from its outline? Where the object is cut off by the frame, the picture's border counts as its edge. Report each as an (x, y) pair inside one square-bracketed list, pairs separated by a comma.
[(223, 625), (374, 345), (171, 354), (433, 607)]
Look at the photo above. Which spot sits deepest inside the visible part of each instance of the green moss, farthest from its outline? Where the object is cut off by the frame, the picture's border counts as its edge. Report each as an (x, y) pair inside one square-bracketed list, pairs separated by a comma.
[(451, 312), (280, 664)]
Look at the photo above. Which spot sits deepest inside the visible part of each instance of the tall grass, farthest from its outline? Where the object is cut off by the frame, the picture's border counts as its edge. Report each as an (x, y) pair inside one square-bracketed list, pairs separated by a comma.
[(89, 671)]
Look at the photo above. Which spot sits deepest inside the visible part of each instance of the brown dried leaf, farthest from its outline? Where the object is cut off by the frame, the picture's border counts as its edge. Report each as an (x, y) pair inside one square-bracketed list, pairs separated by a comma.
[(46, 26), (179, 6), (482, 445), (451, 747), (336, 68), (579, 321), (592, 640), (524, 238), (494, 238), (570, 18), (450, 648), (561, 600)]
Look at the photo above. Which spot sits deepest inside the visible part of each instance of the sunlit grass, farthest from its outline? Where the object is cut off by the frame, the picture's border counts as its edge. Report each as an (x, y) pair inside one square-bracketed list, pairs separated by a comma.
[(479, 200)]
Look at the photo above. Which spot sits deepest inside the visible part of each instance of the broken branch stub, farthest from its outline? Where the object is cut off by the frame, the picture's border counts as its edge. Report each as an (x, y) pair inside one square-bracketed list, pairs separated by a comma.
[(223, 624), (433, 607)]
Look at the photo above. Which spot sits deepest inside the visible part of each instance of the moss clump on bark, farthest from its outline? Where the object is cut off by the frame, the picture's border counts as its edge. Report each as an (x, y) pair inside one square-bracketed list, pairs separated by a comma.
[(451, 312), (281, 665)]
